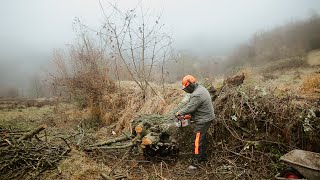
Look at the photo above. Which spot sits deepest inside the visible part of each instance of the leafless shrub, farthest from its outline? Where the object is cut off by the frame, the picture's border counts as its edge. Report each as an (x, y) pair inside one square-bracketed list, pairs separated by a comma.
[(83, 75)]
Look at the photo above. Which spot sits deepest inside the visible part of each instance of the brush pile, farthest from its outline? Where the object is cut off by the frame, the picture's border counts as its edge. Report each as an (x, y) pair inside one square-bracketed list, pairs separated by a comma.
[(24, 157), (254, 127), (257, 114)]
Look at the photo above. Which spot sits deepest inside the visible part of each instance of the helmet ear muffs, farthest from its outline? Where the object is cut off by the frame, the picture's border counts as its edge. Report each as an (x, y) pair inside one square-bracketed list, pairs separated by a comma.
[(190, 83), (190, 88), (187, 84), (187, 81)]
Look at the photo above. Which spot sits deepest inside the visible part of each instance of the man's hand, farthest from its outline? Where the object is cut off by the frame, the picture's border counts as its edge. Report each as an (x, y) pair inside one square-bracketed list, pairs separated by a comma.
[(178, 116)]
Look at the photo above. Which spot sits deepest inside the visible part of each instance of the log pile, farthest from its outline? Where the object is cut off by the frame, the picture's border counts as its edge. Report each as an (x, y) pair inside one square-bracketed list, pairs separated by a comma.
[(152, 135), (24, 157), (156, 135)]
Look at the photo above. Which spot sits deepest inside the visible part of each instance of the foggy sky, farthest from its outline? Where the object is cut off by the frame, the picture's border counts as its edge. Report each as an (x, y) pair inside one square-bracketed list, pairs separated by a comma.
[(31, 29)]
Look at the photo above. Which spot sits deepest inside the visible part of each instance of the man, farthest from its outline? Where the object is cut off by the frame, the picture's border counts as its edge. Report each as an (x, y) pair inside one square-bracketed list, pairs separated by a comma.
[(201, 109)]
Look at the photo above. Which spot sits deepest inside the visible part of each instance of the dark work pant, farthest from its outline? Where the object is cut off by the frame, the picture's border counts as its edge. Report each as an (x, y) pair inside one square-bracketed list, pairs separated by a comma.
[(200, 140)]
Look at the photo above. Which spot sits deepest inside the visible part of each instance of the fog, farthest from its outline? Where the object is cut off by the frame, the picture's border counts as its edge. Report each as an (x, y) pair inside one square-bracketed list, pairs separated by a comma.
[(31, 30)]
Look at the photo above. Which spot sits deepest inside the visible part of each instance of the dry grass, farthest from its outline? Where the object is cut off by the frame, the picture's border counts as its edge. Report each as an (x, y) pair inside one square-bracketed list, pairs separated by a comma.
[(283, 65), (247, 71), (289, 79), (25, 118), (311, 84)]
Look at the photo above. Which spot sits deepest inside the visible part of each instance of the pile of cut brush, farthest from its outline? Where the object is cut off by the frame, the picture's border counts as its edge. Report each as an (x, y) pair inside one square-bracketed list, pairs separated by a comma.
[(25, 155), (257, 114), (255, 126)]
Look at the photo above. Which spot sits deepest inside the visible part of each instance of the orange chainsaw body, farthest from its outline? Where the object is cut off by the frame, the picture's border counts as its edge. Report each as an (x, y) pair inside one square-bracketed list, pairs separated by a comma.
[(183, 121)]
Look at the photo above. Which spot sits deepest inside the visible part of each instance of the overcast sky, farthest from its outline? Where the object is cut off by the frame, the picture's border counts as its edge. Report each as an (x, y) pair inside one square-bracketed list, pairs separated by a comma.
[(31, 29)]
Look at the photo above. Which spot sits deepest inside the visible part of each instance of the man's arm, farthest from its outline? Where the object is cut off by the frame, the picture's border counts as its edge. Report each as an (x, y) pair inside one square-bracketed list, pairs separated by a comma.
[(191, 106)]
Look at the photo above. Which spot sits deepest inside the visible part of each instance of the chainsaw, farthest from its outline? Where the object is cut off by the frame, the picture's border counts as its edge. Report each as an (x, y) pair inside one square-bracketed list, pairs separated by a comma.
[(183, 121)]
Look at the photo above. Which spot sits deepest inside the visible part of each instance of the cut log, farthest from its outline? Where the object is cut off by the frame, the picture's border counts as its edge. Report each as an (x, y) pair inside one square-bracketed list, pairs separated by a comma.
[(152, 132), (139, 128), (30, 134), (151, 138)]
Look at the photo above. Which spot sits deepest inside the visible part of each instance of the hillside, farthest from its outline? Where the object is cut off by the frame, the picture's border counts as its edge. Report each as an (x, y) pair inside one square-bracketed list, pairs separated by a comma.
[(247, 147)]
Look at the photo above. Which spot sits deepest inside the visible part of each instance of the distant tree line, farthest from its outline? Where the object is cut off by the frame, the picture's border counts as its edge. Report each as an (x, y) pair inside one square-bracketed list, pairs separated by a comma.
[(293, 39)]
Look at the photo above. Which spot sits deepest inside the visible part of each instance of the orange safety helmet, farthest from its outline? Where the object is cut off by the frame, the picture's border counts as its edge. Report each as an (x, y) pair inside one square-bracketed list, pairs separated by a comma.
[(187, 80)]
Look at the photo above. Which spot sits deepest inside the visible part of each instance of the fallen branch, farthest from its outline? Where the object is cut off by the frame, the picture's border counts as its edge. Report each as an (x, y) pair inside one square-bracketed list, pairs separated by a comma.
[(28, 159), (109, 147), (30, 134), (110, 141), (115, 177), (106, 177)]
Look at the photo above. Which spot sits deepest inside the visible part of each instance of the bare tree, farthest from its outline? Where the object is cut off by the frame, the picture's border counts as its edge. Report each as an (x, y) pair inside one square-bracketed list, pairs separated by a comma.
[(36, 87), (138, 41)]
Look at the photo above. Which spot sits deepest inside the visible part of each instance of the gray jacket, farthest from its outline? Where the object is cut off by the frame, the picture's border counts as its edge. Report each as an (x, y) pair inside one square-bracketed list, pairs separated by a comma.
[(199, 106)]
